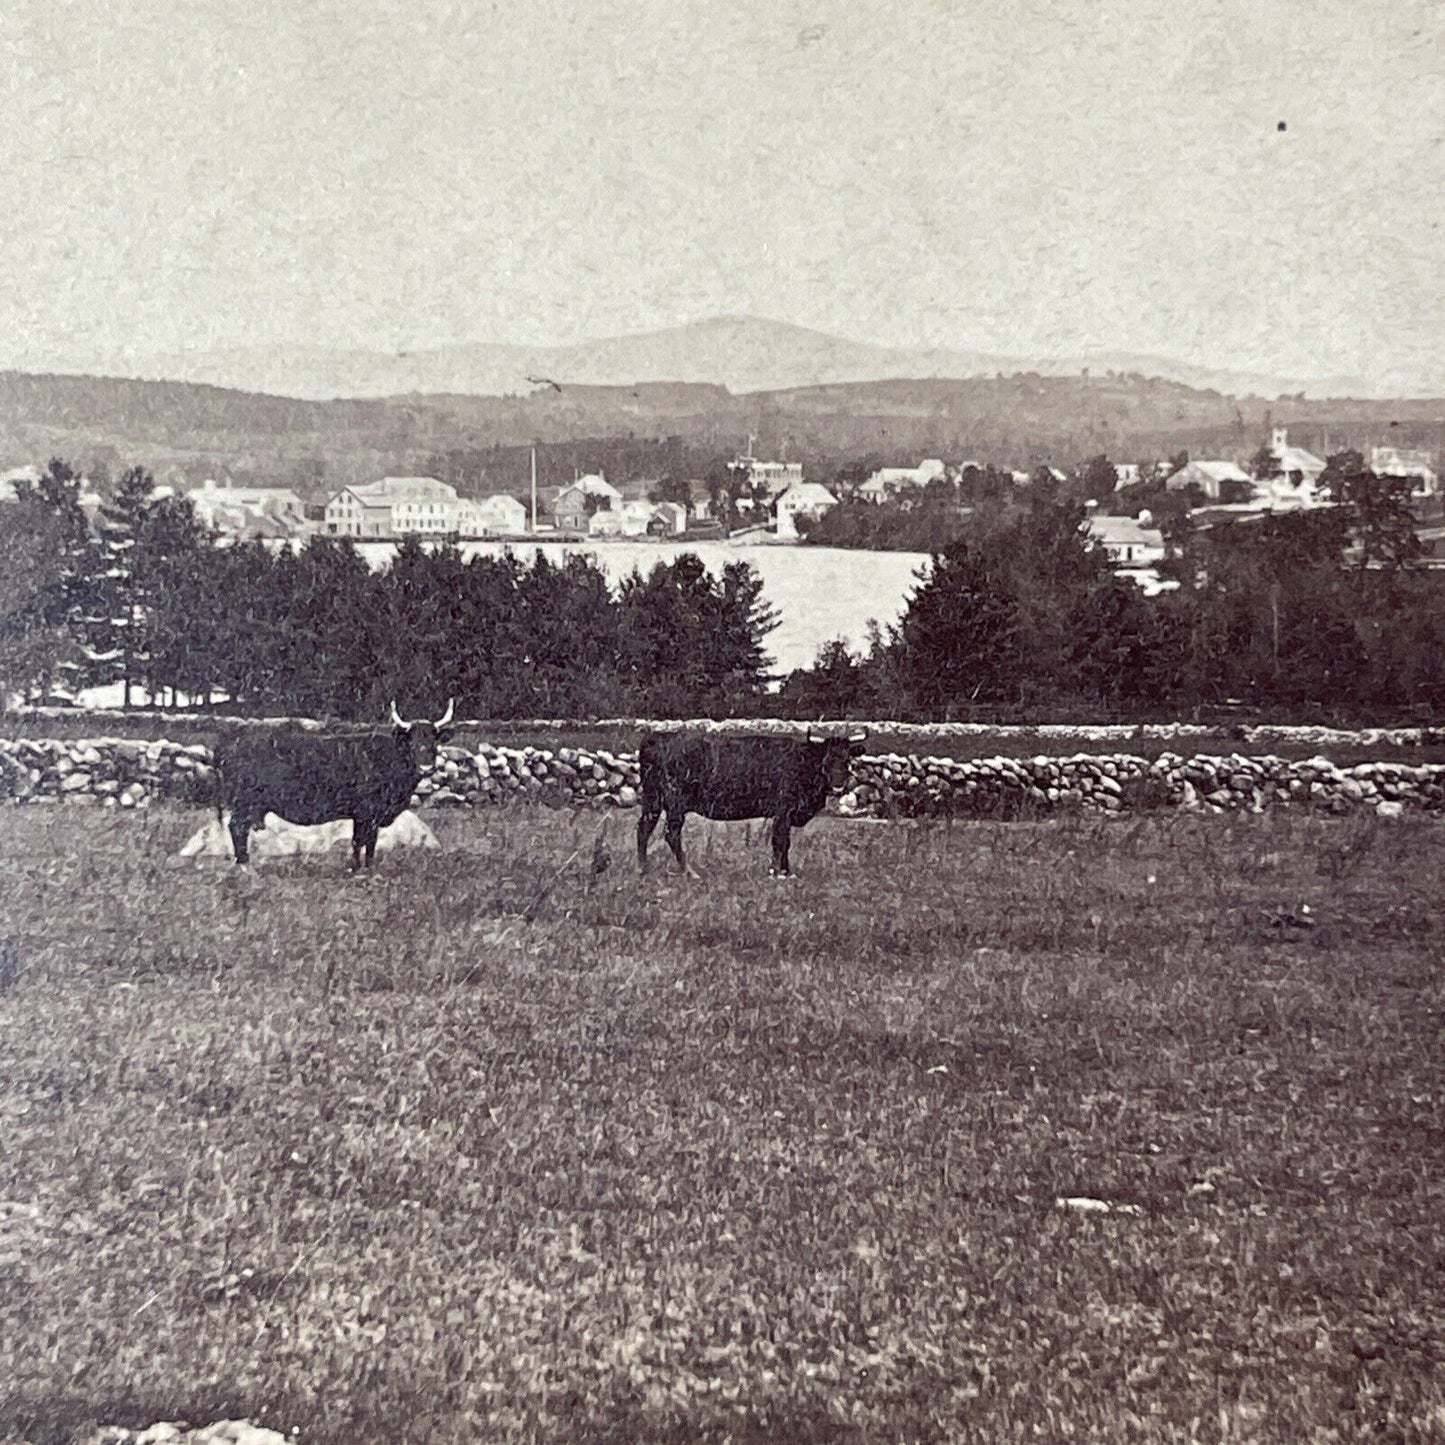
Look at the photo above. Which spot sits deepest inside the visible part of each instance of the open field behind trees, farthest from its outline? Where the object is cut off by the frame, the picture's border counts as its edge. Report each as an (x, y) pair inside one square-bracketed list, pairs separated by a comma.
[(487, 1145)]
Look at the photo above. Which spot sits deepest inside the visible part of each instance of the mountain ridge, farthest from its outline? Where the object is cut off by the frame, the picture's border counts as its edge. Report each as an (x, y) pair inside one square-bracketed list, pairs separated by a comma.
[(745, 354)]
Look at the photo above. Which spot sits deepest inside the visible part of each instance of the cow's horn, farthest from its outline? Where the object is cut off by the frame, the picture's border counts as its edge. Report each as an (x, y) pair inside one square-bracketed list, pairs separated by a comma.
[(446, 717), (858, 737), (396, 717)]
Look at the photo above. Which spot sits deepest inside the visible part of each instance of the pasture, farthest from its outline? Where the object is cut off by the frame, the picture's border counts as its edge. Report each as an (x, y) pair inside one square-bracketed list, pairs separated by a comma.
[(487, 1145)]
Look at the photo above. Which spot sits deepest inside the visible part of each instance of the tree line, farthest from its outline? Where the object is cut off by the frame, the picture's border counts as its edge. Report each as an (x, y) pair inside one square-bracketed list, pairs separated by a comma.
[(140, 594), (1313, 612)]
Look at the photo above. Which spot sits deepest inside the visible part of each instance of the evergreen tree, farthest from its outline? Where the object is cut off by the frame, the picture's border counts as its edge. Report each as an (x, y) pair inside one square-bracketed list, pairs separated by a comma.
[(35, 640), (958, 640), (118, 640)]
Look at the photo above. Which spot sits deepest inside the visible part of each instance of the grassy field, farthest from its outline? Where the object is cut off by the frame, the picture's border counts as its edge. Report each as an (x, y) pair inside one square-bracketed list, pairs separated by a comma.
[(485, 1147)]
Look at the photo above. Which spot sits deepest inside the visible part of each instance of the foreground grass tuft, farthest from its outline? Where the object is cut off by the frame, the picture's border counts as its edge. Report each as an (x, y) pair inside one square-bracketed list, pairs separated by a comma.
[(483, 1146)]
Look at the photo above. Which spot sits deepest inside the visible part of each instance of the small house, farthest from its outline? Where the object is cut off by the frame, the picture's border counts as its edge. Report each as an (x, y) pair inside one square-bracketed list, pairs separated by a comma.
[(575, 506), (805, 499)]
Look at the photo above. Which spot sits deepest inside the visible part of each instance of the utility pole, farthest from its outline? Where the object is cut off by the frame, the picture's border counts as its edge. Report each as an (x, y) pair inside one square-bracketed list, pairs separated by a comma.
[(534, 489)]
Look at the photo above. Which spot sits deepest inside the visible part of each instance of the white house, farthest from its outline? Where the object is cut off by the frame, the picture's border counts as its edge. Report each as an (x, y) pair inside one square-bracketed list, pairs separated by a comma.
[(1129, 541), (628, 520), (575, 506), (805, 499), (16, 474), (1402, 464), (495, 516), (1298, 465)]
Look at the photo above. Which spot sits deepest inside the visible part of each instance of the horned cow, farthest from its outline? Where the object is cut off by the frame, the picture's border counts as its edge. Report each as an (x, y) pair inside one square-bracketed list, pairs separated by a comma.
[(369, 778)]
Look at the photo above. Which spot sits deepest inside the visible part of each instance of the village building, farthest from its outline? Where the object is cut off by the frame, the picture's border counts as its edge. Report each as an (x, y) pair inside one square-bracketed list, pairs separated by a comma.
[(1404, 465), (774, 478), (1218, 481), (1129, 541), (395, 506), (1300, 468), (499, 516), (668, 519), (805, 499), (575, 506), (245, 513), (887, 482), (8, 491)]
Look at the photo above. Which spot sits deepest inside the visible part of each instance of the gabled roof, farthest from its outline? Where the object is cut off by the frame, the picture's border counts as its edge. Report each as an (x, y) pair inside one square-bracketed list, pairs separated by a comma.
[(390, 490), (591, 485), (808, 494), (1219, 471), (1297, 459), (1124, 532)]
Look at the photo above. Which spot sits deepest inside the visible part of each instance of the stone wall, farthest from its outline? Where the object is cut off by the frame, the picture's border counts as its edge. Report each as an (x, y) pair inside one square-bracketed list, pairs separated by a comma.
[(126, 773)]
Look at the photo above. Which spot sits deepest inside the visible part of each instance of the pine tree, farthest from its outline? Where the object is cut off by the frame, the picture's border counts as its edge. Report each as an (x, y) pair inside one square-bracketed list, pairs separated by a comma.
[(117, 636), (34, 638)]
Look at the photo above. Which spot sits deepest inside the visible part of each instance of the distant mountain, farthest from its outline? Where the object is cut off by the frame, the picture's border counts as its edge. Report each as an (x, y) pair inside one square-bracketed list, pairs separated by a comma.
[(743, 354)]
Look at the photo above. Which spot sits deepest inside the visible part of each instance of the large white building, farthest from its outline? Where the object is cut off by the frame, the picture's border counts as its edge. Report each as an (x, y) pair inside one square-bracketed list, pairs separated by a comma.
[(774, 477), (395, 506)]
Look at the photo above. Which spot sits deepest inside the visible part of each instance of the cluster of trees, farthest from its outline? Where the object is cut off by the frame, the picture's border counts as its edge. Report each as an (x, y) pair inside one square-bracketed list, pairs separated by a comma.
[(142, 596), (1314, 612)]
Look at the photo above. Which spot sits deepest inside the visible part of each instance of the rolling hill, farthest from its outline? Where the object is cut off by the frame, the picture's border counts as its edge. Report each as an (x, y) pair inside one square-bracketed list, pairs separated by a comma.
[(184, 430)]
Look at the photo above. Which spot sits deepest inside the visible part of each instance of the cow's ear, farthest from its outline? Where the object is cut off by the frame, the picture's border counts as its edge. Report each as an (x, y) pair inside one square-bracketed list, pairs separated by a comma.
[(855, 750), (444, 735)]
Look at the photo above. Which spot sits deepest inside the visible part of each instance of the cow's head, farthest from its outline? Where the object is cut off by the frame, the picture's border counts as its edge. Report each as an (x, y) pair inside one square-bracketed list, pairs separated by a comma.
[(420, 740), (836, 756)]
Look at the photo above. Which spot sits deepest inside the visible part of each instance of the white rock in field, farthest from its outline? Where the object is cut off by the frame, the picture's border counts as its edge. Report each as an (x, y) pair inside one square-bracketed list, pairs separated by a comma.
[(1085, 1205), (1389, 810), (280, 839)]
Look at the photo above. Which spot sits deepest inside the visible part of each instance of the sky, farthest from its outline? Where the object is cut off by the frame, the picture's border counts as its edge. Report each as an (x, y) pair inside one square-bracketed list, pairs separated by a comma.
[(997, 175)]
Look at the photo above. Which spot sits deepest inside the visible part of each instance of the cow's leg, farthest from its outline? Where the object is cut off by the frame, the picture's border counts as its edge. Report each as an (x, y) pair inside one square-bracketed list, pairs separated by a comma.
[(782, 835), (240, 829), (673, 834), (363, 838), (651, 812)]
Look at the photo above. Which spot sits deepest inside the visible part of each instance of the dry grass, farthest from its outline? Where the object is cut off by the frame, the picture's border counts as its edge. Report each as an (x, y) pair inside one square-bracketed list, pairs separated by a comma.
[(480, 1147)]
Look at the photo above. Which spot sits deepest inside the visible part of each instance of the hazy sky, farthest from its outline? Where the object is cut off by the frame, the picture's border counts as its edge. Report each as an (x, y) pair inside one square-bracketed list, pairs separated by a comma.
[(1017, 177)]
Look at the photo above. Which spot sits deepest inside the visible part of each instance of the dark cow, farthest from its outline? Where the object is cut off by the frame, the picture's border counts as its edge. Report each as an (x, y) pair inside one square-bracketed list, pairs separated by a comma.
[(368, 777), (730, 778)]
